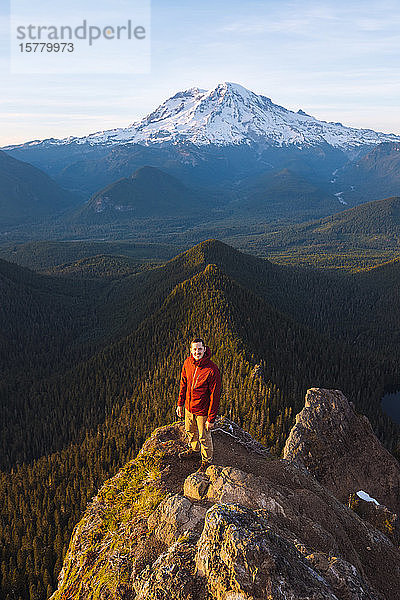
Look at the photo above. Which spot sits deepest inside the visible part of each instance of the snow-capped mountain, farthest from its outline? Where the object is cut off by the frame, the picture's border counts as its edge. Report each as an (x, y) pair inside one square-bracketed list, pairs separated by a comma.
[(227, 115)]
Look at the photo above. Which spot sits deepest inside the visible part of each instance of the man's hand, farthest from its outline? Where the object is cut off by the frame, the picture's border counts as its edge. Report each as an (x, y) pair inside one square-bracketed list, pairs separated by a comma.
[(179, 411), (209, 425)]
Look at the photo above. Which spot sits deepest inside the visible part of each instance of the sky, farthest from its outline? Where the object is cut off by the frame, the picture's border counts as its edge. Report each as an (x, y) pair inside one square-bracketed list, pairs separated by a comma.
[(336, 60)]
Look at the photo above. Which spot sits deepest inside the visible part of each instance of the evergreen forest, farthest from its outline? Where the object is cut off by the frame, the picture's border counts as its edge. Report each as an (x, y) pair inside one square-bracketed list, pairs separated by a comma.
[(91, 350)]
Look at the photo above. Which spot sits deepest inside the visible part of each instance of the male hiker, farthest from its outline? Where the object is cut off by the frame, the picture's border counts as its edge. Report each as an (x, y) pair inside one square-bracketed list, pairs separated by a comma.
[(200, 391)]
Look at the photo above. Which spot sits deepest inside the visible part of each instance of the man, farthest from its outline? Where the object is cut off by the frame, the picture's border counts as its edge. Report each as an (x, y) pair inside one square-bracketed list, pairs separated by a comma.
[(200, 391)]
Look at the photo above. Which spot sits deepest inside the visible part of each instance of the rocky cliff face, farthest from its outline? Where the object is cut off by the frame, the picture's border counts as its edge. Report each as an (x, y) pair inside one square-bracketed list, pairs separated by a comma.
[(253, 527), (339, 448)]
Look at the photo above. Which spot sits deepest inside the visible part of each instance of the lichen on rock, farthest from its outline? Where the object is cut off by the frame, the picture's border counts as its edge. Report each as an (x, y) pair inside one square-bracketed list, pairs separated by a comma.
[(241, 556), (174, 516), (172, 575)]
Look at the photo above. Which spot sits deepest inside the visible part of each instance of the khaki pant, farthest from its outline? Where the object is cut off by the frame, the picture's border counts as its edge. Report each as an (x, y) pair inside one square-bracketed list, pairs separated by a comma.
[(198, 436)]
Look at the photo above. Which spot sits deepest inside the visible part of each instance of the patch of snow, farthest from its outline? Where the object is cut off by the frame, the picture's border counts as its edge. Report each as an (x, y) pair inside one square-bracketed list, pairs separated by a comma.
[(339, 197), (364, 496)]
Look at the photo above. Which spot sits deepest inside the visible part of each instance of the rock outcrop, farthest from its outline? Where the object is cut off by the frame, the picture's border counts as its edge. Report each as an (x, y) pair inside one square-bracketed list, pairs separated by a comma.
[(242, 557), (253, 527), (174, 516), (378, 515), (339, 448)]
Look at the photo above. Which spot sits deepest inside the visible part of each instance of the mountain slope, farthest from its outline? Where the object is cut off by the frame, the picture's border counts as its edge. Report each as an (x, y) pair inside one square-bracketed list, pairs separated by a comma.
[(375, 175), (27, 194), (286, 194), (380, 217), (207, 166), (100, 266), (40, 318), (41, 256), (216, 168), (356, 239), (373, 225), (279, 315), (148, 192)]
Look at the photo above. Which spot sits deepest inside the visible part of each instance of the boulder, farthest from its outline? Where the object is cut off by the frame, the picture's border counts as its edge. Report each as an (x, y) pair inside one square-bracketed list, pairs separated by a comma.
[(230, 485), (196, 485), (174, 516)]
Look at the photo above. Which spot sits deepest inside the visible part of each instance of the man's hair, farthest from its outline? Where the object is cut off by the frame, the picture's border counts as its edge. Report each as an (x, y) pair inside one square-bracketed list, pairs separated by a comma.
[(197, 341)]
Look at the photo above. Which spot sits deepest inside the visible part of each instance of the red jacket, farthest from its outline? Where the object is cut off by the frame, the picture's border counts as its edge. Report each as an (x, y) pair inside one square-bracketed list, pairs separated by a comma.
[(200, 388)]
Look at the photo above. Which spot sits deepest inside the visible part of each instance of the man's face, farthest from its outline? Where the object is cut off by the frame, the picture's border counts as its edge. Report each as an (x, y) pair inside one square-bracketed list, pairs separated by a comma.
[(197, 350)]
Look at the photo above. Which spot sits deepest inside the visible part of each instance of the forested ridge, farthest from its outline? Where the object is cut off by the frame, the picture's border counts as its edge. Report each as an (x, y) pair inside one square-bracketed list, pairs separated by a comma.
[(353, 239), (274, 331), (365, 234), (45, 255)]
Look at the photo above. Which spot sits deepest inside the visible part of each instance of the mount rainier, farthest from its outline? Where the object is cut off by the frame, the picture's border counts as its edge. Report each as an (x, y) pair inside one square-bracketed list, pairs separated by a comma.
[(228, 114)]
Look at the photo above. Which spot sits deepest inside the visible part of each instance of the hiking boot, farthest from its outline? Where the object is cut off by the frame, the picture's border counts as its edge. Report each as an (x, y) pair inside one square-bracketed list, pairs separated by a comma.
[(186, 454), (203, 467)]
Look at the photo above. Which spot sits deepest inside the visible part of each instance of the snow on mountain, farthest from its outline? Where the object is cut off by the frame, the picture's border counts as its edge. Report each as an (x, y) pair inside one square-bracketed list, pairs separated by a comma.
[(230, 114)]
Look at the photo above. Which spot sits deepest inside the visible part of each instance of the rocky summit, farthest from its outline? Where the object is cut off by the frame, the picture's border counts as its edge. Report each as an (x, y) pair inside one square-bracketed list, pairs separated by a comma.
[(339, 447), (253, 527)]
